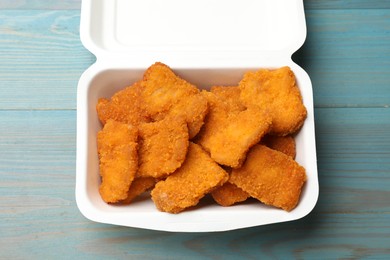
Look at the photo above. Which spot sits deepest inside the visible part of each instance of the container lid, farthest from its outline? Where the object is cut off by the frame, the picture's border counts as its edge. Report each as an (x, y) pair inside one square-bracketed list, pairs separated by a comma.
[(212, 29)]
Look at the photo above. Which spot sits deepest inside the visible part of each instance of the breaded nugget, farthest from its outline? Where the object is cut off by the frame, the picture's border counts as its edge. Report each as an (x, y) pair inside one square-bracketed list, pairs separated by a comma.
[(117, 150), (228, 134), (271, 177), (162, 147), (230, 95), (185, 187), (125, 106), (277, 91), (229, 194), (164, 93), (284, 144), (137, 187)]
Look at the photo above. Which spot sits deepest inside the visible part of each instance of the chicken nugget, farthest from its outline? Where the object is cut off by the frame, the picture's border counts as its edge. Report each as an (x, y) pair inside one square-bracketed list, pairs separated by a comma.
[(162, 147), (164, 93), (198, 175), (228, 134), (277, 91), (271, 177), (117, 150), (229, 194), (284, 144), (137, 187), (230, 95), (125, 106)]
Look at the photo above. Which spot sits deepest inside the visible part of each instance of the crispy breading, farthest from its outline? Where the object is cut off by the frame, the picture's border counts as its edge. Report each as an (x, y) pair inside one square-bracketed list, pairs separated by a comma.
[(284, 144), (271, 177), (198, 175), (137, 187), (277, 91), (164, 93), (229, 194), (228, 134), (162, 147), (117, 150), (159, 94), (230, 95), (124, 106)]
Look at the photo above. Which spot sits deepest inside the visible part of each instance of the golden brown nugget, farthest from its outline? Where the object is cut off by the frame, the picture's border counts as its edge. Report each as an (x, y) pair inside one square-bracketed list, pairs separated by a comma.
[(284, 144), (137, 187), (228, 134), (277, 91), (229, 194), (162, 147), (124, 106), (117, 149), (271, 177), (164, 93), (229, 95), (184, 188)]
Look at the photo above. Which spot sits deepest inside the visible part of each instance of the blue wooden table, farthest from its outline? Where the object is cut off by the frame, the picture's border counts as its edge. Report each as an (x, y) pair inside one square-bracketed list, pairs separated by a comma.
[(347, 55)]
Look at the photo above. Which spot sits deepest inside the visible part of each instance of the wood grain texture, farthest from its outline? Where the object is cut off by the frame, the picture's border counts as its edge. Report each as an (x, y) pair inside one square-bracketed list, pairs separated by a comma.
[(346, 4), (41, 58), (39, 4), (309, 4), (346, 55), (40, 218)]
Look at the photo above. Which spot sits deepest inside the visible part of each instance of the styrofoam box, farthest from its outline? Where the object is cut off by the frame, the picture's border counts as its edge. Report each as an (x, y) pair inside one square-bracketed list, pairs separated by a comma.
[(206, 42)]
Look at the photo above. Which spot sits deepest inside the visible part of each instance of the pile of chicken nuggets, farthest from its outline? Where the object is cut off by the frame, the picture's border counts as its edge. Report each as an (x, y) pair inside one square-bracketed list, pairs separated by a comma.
[(165, 136)]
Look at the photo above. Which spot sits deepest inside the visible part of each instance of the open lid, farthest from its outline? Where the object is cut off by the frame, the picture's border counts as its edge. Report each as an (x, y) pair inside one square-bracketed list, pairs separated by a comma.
[(203, 30)]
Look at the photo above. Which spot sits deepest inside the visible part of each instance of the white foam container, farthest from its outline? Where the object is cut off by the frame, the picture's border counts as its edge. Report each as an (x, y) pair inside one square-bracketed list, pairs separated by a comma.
[(206, 42)]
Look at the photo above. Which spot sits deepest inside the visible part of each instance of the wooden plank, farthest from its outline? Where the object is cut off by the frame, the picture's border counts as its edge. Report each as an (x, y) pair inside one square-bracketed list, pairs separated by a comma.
[(346, 4), (338, 238), (41, 59), (40, 218), (41, 5), (309, 4), (37, 148), (353, 147), (346, 55)]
